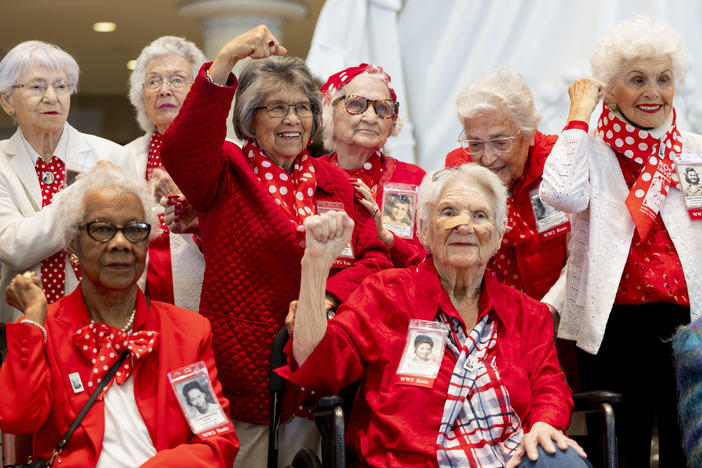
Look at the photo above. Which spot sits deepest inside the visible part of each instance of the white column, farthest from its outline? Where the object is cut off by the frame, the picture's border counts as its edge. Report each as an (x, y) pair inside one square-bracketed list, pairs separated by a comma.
[(222, 20)]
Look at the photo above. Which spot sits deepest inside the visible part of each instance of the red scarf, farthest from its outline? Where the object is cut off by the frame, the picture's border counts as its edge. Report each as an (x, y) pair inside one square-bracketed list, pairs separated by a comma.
[(369, 172), (504, 263), (102, 344), (293, 193), (52, 179), (651, 186), (159, 274)]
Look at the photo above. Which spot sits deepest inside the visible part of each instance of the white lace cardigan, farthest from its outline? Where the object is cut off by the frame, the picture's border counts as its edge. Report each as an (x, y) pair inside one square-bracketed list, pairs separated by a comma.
[(582, 176)]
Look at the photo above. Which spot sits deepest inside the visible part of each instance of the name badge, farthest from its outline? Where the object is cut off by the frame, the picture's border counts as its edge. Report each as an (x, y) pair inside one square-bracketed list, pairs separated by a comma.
[(399, 209), (550, 222), (690, 175), (346, 258), (76, 383), (423, 353), (198, 402)]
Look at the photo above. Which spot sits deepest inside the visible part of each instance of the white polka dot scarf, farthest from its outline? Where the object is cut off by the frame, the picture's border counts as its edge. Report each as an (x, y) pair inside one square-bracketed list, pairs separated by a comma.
[(102, 344), (651, 187), (293, 193)]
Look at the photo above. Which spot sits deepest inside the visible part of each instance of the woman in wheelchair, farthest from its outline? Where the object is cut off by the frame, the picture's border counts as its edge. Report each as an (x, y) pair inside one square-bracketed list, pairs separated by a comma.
[(490, 391)]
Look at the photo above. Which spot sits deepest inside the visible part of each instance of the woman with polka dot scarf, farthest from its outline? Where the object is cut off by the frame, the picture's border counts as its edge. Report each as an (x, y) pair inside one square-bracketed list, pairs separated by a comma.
[(635, 264), (251, 203)]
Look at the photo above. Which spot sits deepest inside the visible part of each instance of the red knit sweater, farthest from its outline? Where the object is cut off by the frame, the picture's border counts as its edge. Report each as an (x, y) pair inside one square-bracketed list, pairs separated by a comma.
[(252, 256)]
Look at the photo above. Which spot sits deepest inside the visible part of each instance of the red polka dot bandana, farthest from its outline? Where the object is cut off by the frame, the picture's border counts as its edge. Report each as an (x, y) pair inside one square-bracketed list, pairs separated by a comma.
[(369, 172), (102, 345), (52, 179), (651, 187), (504, 263), (293, 193), (152, 163), (337, 81)]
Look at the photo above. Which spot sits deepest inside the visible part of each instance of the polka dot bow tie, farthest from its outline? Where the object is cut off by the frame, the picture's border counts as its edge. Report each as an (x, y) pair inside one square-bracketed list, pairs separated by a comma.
[(102, 344)]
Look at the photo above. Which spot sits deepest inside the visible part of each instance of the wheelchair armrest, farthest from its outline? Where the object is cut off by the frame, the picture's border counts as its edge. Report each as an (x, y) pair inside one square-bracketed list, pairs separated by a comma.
[(329, 401), (591, 401)]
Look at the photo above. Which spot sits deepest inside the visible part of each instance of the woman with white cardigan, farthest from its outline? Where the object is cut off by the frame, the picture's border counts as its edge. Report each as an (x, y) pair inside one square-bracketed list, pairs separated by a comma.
[(635, 267)]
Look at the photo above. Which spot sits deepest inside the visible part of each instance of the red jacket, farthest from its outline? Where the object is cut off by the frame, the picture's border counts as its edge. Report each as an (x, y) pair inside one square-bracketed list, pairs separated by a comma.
[(252, 255), (403, 251), (36, 376), (539, 261), (397, 425)]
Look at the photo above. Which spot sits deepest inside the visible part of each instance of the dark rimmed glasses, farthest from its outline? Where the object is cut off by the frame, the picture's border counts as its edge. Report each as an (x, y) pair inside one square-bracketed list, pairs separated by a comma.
[(477, 147), (384, 108), (102, 231), (280, 109)]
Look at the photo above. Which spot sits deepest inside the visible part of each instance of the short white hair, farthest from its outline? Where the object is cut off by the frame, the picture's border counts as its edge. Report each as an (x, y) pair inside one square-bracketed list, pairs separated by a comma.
[(70, 203), (500, 90), (435, 181), (26, 55), (164, 45), (328, 140), (640, 36)]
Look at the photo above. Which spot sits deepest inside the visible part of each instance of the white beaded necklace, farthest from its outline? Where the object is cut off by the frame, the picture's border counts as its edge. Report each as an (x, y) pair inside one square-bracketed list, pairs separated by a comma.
[(128, 327)]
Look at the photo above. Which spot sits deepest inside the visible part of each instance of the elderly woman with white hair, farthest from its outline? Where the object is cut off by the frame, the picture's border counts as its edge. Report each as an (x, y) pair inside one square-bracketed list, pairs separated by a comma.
[(491, 390), (500, 132), (360, 113), (41, 158), (108, 349), (161, 79), (635, 267)]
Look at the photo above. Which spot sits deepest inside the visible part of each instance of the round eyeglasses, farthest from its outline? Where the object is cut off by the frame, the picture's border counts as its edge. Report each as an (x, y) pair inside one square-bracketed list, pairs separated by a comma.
[(39, 87), (477, 147), (102, 231), (175, 82), (384, 108), (280, 109)]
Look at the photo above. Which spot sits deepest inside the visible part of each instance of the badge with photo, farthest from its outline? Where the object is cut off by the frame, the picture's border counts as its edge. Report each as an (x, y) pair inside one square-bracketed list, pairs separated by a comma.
[(399, 209), (550, 222), (193, 390), (691, 185), (424, 350)]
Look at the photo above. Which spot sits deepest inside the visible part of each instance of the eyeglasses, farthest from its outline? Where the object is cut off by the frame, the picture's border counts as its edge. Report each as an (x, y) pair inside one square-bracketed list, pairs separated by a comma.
[(175, 82), (384, 108), (102, 231), (39, 87), (281, 109), (477, 147)]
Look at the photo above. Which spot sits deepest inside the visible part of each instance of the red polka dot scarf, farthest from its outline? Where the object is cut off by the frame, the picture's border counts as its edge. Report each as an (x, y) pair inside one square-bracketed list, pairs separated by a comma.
[(651, 187), (52, 179), (369, 172), (293, 193), (102, 344)]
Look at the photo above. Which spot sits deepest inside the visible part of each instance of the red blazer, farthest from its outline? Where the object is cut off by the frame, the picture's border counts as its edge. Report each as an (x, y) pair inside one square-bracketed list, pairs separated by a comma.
[(36, 376), (403, 252), (396, 425), (539, 261), (252, 255)]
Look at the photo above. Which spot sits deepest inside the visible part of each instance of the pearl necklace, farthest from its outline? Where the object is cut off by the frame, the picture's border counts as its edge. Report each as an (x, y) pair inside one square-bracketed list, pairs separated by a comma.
[(128, 327)]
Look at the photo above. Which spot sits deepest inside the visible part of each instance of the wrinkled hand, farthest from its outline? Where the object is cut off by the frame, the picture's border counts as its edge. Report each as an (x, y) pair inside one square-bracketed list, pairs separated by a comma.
[(584, 95), (290, 318), (25, 293), (179, 215), (326, 235), (256, 43), (369, 204), (162, 184), (545, 435)]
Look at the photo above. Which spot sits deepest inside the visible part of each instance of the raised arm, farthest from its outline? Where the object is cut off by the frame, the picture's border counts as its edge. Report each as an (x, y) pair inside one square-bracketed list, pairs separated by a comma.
[(325, 238)]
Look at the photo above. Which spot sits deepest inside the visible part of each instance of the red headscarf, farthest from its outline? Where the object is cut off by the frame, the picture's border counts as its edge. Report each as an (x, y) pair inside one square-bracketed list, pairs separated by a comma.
[(336, 81)]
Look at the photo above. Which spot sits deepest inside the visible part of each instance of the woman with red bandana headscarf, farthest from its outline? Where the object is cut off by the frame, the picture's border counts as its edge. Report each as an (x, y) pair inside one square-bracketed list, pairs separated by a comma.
[(635, 266), (360, 111)]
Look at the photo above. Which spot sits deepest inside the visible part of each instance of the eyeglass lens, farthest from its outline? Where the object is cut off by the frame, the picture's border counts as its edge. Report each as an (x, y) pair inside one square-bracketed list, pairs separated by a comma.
[(102, 231), (384, 108)]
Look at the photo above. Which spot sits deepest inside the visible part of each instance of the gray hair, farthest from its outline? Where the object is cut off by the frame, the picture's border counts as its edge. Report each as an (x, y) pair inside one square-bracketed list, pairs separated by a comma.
[(164, 45), (328, 111), (435, 181), (28, 54), (70, 203), (500, 90), (261, 77), (640, 36)]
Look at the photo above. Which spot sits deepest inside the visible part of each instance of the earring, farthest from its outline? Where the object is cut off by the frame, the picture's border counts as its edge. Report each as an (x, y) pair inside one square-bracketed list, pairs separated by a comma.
[(73, 259)]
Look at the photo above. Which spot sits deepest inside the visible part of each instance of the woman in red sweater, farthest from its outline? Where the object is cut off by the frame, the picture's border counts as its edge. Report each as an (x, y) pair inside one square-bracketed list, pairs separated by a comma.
[(251, 204), (360, 114)]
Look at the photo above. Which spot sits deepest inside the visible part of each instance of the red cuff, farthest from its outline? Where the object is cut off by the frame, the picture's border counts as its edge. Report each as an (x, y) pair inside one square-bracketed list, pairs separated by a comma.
[(577, 124)]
